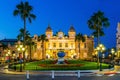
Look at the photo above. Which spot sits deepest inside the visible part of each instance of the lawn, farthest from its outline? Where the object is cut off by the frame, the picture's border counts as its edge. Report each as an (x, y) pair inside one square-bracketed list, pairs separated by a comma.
[(71, 65)]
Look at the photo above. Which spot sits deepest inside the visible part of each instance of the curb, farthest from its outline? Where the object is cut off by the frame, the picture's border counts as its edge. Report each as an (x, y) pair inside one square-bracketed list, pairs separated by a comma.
[(107, 73)]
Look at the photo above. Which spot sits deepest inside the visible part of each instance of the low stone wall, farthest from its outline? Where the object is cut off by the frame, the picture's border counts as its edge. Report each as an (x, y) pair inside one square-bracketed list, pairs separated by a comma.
[(117, 67)]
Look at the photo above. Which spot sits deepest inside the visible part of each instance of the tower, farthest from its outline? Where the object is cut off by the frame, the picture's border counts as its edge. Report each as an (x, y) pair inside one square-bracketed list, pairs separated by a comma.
[(49, 32), (71, 32)]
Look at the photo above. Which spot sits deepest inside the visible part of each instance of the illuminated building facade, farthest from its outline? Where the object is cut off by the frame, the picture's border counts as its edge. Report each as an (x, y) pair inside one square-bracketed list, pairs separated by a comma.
[(60, 42), (118, 40)]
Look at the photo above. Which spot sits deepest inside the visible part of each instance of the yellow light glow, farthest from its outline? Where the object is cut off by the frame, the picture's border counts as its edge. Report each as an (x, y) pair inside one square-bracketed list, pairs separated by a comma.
[(6, 54), (101, 45), (112, 51), (18, 49), (23, 49), (21, 46), (103, 48), (98, 48), (13, 54)]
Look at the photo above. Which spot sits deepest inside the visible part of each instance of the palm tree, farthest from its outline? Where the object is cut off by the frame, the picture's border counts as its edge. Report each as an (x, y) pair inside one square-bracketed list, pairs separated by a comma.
[(24, 11), (21, 34), (28, 39), (78, 38), (42, 38), (97, 23)]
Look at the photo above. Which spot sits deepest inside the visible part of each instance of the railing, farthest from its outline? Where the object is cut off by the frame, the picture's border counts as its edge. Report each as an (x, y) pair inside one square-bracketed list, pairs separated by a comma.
[(53, 73)]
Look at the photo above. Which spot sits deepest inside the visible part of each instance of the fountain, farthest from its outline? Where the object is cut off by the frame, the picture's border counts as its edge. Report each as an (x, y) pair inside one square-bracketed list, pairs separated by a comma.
[(61, 55)]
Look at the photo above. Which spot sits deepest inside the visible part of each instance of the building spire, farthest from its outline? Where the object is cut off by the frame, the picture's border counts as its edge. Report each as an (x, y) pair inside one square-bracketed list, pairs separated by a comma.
[(71, 29), (48, 28)]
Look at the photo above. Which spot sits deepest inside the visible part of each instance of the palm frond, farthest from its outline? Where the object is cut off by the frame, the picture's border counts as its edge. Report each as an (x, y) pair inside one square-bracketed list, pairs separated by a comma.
[(16, 12), (32, 16)]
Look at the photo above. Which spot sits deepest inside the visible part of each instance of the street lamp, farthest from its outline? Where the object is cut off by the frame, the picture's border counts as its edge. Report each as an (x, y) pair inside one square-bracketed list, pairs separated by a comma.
[(112, 51), (20, 48), (100, 48), (8, 55), (14, 61)]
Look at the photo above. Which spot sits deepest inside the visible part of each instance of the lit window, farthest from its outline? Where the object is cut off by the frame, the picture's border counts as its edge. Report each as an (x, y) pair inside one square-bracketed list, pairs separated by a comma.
[(72, 45), (66, 44), (60, 44), (54, 44)]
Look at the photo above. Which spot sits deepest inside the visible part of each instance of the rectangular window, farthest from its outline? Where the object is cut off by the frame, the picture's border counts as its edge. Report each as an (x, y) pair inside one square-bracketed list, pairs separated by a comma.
[(66, 44), (60, 44), (71, 45), (54, 44)]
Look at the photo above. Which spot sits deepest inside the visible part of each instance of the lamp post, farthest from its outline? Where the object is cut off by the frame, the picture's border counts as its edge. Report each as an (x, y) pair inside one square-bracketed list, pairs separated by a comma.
[(8, 55), (112, 51), (14, 61), (20, 48), (100, 48)]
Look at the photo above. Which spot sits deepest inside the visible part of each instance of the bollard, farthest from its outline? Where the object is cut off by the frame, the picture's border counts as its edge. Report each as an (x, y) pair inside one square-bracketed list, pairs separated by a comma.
[(78, 74), (53, 75), (27, 74)]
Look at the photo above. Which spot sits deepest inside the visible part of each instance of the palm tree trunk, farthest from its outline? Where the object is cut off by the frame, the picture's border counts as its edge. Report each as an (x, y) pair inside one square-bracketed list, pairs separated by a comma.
[(24, 42), (98, 42), (24, 31)]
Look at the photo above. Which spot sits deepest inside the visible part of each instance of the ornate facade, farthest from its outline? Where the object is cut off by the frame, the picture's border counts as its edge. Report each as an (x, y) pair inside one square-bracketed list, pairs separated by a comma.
[(60, 42)]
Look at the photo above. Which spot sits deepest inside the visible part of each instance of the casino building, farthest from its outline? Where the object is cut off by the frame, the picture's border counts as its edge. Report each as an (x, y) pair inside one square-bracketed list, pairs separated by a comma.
[(73, 49)]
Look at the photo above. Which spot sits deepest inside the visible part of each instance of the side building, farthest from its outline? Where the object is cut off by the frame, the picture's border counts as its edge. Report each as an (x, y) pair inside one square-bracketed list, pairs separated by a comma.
[(118, 40), (7, 49), (73, 49)]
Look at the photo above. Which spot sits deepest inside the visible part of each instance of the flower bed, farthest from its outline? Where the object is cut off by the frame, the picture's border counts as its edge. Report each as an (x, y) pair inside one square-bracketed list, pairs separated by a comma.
[(61, 65)]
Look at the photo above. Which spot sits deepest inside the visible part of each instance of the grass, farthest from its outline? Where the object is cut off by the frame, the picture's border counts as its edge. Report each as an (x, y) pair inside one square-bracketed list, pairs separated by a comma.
[(73, 65)]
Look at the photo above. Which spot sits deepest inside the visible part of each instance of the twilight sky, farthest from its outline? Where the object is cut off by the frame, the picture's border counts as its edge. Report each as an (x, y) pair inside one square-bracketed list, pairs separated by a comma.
[(60, 14)]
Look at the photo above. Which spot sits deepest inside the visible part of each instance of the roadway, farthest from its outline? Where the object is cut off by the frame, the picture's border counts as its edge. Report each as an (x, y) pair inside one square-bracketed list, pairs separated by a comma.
[(5, 74), (47, 77)]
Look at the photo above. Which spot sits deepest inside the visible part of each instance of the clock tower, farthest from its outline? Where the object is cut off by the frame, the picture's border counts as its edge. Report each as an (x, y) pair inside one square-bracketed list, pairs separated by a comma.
[(49, 32), (72, 32)]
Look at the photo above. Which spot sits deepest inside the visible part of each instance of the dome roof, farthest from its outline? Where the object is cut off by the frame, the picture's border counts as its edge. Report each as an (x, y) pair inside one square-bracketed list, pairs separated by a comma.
[(48, 29), (72, 29)]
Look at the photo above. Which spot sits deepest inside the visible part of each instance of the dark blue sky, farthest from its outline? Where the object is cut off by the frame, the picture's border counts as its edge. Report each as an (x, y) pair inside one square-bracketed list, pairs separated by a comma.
[(60, 14)]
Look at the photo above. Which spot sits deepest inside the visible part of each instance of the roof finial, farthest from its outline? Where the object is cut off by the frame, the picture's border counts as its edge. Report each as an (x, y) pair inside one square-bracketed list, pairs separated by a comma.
[(71, 29), (49, 28)]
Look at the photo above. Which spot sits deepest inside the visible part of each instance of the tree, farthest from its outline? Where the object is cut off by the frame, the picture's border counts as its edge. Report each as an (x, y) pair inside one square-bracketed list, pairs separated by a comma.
[(97, 23), (21, 35), (24, 11), (42, 38), (28, 39), (78, 38)]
